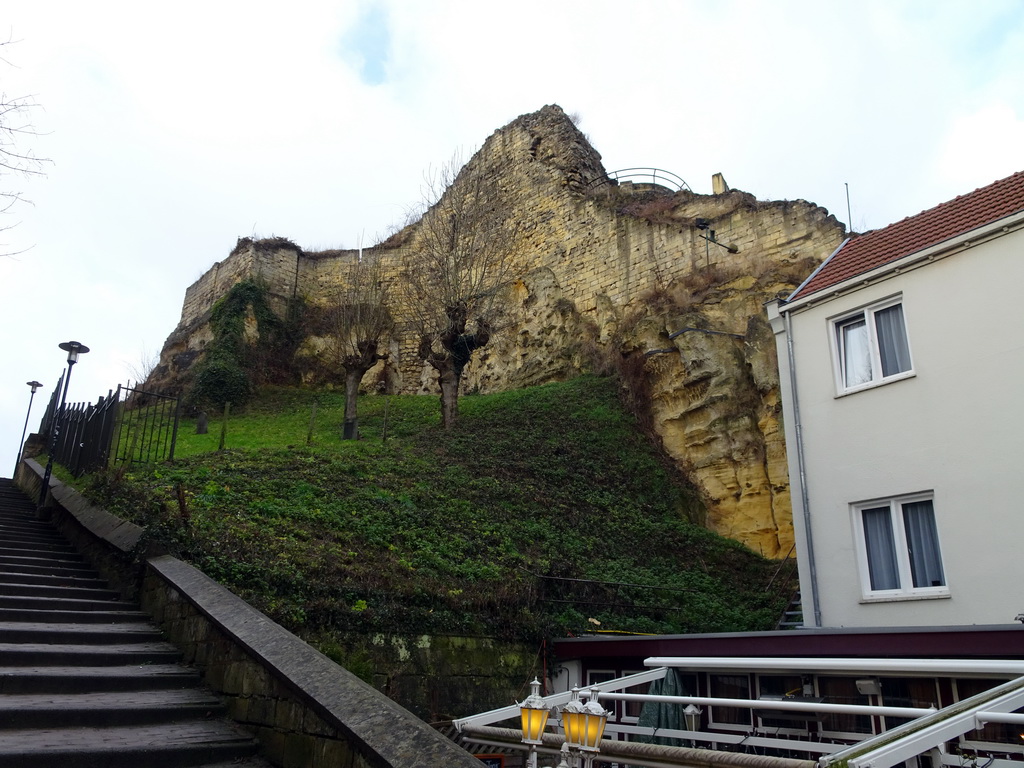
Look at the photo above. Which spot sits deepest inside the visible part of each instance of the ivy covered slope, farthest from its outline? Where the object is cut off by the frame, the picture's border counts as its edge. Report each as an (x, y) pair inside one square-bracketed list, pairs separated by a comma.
[(412, 530)]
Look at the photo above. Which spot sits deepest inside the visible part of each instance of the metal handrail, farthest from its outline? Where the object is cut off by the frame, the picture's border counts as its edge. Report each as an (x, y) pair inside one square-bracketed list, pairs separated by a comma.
[(656, 175)]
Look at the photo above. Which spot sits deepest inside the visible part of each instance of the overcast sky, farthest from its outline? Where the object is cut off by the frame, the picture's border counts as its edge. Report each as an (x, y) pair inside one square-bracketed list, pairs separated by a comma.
[(174, 129)]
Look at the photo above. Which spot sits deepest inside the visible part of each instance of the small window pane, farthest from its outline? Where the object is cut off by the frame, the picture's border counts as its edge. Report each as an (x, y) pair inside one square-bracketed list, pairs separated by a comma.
[(881, 548), (892, 340), (923, 544), (853, 336), (843, 690), (730, 687)]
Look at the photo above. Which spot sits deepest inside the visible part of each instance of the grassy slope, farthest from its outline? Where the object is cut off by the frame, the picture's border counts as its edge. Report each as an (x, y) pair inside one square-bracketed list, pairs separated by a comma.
[(445, 533)]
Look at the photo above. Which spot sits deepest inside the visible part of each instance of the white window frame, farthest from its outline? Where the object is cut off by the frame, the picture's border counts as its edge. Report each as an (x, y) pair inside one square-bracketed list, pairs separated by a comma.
[(720, 725), (867, 314), (906, 590), (642, 688)]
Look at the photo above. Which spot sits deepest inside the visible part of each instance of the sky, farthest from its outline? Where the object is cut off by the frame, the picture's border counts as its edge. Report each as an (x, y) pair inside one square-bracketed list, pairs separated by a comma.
[(171, 130)]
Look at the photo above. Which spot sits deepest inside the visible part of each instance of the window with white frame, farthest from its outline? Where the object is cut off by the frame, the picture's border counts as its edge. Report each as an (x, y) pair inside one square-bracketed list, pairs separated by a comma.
[(871, 346), (898, 541)]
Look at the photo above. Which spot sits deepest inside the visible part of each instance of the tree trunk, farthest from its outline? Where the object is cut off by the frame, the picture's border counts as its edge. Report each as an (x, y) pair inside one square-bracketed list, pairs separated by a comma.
[(353, 376), (449, 381)]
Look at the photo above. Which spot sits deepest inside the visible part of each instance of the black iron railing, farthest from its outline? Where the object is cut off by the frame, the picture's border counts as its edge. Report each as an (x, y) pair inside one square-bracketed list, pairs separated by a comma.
[(127, 426)]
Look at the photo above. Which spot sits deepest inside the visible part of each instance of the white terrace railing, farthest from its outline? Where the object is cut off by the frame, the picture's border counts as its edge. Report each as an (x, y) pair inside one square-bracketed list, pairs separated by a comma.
[(927, 732)]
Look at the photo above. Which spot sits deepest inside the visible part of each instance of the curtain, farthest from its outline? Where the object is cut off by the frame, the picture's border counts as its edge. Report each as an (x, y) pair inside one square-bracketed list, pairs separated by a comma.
[(856, 353), (923, 543), (892, 340), (881, 548)]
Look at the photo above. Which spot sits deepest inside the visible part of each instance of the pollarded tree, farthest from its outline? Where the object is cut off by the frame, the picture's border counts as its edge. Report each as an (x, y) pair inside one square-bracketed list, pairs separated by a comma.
[(360, 322), (456, 272)]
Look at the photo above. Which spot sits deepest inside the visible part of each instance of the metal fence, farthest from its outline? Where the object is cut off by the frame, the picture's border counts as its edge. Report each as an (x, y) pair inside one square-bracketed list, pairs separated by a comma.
[(126, 426), (148, 428)]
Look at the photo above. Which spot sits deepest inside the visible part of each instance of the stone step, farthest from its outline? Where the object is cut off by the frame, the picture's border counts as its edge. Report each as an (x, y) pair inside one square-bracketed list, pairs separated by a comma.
[(110, 616), (33, 710), (14, 588), (16, 578), (73, 560), (81, 569), (19, 543), (78, 634), (76, 655), (74, 680), (62, 603), (173, 745), (28, 525), (24, 538)]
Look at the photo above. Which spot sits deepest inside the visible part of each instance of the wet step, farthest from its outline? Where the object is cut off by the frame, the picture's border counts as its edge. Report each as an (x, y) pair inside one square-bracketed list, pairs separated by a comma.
[(74, 617), (81, 569), (57, 603), (70, 654), (101, 709), (81, 634), (41, 560), (55, 590), (169, 745), (75, 680), (15, 578)]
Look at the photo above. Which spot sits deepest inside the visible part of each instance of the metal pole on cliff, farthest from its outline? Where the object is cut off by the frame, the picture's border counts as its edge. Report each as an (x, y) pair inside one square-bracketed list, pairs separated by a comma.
[(21, 446), (74, 349)]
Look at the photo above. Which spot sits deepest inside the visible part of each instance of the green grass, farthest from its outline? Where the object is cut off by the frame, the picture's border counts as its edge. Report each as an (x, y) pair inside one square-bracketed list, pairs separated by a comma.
[(438, 532)]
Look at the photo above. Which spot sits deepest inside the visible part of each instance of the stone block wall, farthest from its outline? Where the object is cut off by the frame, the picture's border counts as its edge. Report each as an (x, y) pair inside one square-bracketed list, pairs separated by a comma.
[(306, 711)]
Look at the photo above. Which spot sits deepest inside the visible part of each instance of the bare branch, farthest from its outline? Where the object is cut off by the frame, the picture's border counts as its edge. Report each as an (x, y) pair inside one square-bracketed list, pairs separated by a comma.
[(15, 128), (457, 268)]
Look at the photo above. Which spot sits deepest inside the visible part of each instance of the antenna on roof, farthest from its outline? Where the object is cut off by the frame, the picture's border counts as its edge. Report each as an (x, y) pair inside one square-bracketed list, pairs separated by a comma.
[(849, 216)]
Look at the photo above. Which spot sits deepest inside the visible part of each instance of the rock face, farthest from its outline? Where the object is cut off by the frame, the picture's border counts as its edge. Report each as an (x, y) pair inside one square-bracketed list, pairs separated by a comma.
[(670, 282)]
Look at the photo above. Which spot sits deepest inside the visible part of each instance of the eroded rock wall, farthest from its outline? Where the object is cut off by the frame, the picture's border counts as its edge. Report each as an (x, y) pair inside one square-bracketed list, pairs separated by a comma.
[(608, 270)]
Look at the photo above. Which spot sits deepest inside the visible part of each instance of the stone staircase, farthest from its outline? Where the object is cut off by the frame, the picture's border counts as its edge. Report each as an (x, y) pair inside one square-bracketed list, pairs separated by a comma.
[(85, 679), (793, 616)]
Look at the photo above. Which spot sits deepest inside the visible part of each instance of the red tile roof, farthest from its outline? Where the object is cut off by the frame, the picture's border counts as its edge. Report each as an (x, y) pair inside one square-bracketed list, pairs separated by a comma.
[(915, 233)]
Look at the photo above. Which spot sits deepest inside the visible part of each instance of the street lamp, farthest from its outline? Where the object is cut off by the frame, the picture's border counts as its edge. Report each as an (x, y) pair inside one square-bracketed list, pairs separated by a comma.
[(74, 349), (21, 446), (584, 725), (535, 718)]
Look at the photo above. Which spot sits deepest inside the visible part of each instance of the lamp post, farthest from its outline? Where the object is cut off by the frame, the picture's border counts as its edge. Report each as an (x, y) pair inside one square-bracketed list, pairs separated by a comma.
[(584, 725), (535, 718), (74, 349), (24, 430)]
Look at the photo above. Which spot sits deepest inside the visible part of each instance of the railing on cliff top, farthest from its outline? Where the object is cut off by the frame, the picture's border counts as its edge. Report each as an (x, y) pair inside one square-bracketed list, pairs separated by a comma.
[(645, 176), (127, 426)]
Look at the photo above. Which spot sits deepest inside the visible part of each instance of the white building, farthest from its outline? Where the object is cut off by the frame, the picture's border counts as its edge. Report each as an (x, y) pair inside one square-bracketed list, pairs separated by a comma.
[(902, 368)]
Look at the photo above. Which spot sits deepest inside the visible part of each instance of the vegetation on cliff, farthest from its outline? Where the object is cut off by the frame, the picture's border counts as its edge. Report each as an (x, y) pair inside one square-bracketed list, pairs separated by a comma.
[(479, 530)]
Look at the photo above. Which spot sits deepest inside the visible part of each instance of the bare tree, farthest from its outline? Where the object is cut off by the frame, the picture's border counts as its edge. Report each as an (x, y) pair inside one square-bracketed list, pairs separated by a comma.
[(456, 272), (15, 160), (360, 321)]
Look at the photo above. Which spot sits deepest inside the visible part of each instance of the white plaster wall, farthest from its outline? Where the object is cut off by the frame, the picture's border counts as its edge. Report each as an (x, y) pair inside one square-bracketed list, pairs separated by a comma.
[(955, 428)]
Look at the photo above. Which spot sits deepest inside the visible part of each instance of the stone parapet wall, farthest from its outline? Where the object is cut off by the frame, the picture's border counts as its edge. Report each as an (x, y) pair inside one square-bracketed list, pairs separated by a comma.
[(306, 711)]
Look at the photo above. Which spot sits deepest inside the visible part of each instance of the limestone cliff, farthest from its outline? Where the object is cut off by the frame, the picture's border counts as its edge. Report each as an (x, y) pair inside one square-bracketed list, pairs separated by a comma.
[(611, 272)]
